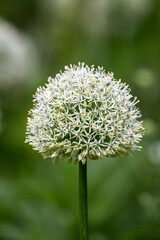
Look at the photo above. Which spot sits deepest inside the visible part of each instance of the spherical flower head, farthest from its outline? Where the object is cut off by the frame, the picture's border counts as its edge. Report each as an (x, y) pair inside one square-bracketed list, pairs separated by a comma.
[(84, 113)]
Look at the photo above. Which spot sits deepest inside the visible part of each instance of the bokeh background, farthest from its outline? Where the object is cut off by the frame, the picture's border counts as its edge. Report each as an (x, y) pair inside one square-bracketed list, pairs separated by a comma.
[(39, 199)]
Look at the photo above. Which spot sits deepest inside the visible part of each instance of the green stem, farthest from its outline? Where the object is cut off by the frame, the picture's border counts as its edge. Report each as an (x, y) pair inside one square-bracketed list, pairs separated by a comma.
[(83, 208)]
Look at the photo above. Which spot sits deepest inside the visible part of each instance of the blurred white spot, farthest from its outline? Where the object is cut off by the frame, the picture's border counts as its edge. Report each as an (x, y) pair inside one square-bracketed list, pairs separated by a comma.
[(145, 78), (94, 16), (154, 153), (150, 126), (18, 55), (150, 205)]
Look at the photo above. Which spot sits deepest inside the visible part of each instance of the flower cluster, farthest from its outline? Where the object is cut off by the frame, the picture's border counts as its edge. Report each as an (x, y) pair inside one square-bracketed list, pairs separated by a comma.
[(84, 113)]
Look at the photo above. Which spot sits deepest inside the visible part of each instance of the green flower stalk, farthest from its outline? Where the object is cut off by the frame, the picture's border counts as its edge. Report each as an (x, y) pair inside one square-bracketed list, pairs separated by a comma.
[(84, 113), (83, 203)]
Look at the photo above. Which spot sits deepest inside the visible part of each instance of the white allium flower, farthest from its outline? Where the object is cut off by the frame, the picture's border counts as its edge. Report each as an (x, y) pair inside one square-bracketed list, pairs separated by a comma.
[(84, 112)]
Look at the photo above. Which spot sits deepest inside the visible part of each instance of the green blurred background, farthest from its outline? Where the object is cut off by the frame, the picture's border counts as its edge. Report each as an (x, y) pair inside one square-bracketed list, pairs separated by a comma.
[(39, 199)]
